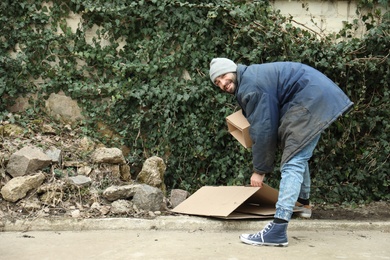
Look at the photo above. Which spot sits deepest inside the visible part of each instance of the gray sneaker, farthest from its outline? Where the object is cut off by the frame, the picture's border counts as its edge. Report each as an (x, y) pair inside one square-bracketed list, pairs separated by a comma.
[(304, 211), (274, 234)]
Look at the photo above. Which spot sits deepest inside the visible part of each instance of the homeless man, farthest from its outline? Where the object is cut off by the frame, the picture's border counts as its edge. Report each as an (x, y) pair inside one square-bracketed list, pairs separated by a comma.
[(287, 104)]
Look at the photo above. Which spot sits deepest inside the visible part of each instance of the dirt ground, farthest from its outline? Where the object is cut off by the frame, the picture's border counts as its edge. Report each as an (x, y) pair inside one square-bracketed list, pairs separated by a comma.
[(375, 211)]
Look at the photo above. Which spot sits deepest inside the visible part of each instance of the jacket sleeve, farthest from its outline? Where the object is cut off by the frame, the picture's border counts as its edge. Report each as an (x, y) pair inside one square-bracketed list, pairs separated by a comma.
[(261, 110)]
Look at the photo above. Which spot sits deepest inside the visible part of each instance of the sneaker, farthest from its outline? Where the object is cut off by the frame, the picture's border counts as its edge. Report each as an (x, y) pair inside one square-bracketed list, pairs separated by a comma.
[(274, 234), (304, 211)]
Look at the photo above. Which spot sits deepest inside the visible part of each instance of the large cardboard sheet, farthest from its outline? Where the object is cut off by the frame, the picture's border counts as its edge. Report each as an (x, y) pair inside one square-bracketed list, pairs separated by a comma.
[(231, 202)]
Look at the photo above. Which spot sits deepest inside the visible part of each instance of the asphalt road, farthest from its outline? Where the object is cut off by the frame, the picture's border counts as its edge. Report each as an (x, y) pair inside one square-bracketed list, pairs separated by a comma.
[(189, 238)]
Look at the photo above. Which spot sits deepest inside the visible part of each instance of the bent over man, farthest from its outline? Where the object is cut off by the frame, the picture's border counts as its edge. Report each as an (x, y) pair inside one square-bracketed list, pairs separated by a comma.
[(289, 104)]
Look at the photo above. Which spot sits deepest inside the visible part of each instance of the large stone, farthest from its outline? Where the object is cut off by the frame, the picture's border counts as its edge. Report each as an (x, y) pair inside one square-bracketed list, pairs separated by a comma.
[(178, 196), (148, 198), (120, 192), (27, 160), (63, 108), (54, 154), (18, 187), (80, 180), (152, 173), (108, 155)]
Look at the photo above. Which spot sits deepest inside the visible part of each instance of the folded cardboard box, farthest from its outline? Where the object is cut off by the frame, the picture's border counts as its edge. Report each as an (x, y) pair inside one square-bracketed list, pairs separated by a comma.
[(238, 126), (231, 202)]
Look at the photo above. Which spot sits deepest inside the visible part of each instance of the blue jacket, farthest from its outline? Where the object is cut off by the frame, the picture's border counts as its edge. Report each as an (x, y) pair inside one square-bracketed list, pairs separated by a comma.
[(287, 103)]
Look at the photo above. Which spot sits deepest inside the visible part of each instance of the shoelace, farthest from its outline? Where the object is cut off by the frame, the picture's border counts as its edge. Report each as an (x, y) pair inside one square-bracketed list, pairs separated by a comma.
[(261, 233)]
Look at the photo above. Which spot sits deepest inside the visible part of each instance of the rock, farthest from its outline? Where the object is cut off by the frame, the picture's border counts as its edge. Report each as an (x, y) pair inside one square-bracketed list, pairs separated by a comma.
[(18, 187), (122, 207), (63, 109), (148, 198), (104, 210), (84, 170), (152, 173), (120, 192), (125, 172), (80, 180), (178, 196), (108, 155), (27, 160), (75, 213), (54, 154)]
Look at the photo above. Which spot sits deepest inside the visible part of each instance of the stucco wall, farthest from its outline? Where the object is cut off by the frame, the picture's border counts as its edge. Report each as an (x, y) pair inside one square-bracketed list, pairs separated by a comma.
[(323, 17)]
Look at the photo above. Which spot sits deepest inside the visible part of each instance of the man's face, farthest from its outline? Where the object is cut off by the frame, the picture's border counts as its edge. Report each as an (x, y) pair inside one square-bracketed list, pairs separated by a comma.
[(226, 82)]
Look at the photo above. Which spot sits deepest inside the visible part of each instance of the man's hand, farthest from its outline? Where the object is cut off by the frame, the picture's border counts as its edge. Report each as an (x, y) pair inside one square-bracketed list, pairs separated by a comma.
[(257, 180)]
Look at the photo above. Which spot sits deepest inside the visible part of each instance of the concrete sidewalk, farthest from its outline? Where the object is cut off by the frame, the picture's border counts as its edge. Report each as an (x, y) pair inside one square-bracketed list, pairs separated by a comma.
[(182, 222), (190, 237)]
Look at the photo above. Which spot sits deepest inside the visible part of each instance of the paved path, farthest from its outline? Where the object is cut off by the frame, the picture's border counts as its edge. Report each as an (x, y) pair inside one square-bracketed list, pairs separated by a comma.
[(198, 239)]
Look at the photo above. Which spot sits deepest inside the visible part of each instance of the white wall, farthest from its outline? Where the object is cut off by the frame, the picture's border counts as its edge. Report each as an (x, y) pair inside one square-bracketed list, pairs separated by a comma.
[(323, 17)]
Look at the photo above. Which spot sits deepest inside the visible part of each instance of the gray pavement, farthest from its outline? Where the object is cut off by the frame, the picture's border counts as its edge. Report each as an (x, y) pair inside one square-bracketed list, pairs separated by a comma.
[(187, 237)]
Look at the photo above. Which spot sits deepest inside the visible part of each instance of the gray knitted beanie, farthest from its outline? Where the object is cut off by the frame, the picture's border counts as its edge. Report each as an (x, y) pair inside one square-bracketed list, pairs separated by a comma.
[(220, 66)]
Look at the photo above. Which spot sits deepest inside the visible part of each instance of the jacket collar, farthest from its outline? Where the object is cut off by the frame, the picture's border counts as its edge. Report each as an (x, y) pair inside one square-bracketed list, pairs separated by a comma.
[(240, 70)]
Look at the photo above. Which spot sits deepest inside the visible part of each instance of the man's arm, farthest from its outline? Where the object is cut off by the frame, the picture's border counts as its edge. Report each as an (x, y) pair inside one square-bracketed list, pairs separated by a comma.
[(262, 113)]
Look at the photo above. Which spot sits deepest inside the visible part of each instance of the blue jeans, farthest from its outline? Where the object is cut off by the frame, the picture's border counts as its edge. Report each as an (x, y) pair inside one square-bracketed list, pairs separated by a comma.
[(295, 181)]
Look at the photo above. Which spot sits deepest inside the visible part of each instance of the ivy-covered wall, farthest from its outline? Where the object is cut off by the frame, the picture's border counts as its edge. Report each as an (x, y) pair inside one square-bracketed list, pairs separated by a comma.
[(144, 72)]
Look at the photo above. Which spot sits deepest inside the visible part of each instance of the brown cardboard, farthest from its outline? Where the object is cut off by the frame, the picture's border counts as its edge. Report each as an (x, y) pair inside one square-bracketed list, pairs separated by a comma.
[(231, 202), (238, 127)]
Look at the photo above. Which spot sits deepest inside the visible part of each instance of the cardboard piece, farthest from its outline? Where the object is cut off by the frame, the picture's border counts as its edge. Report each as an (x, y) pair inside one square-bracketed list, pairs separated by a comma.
[(238, 126), (231, 202)]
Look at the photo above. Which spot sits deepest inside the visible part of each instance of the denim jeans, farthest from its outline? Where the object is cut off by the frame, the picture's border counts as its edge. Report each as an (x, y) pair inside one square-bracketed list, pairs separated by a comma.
[(295, 181)]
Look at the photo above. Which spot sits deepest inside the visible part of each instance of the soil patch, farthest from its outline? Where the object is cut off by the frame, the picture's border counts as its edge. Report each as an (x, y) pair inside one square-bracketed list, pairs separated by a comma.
[(375, 211)]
